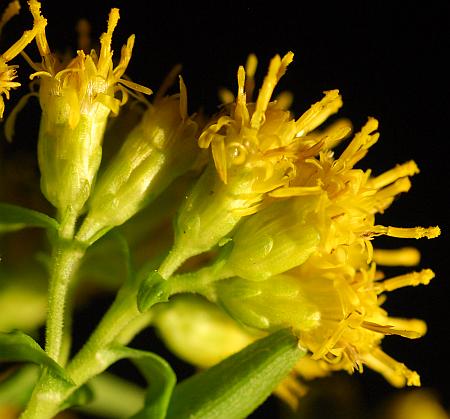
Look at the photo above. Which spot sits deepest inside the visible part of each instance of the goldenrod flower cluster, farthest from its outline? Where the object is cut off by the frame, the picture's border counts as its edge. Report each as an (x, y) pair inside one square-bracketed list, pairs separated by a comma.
[(301, 255), (291, 220)]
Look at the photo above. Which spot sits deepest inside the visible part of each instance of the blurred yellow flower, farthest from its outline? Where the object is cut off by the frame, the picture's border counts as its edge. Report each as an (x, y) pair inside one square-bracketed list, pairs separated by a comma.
[(8, 72)]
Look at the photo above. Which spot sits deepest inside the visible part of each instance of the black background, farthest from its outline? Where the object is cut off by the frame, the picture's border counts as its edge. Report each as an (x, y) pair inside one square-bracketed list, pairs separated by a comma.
[(387, 60)]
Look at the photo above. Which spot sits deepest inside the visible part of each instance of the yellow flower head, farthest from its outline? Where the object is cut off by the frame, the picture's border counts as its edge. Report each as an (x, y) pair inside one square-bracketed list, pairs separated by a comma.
[(341, 277), (76, 100), (352, 321), (8, 72), (261, 139), (254, 148), (333, 299), (87, 84), (347, 199)]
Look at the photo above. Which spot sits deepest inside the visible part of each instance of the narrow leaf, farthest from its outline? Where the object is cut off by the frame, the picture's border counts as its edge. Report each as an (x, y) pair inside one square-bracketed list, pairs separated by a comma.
[(14, 217), (16, 388), (235, 387), (17, 346), (158, 374), (114, 397)]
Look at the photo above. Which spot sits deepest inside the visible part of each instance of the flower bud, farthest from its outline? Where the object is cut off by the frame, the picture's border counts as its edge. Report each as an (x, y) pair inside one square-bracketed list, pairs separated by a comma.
[(159, 149), (211, 210), (268, 305), (76, 100), (276, 239), (198, 331)]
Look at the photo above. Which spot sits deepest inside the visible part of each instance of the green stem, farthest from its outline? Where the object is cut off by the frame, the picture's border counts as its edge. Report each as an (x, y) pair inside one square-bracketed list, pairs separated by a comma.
[(65, 261), (66, 343), (50, 393), (198, 282), (120, 324), (45, 399), (86, 364), (176, 257)]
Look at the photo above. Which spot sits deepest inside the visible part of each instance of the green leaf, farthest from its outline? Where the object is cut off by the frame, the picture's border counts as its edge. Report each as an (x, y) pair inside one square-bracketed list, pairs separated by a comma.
[(235, 387), (17, 346), (114, 397), (13, 218), (157, 373), (16, 388), (154, 289)]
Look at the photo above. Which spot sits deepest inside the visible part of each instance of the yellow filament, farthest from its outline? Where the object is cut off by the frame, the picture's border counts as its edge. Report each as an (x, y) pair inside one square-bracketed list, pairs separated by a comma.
[(336, 132), (284, 100), (413, 233), (11, 10), (220, 158), (401, 185), (287, 59), (266, 92), (22, 42), (361, 141), (295, 191), (395, 372), (290, 391), (125, 57), (135, 86), (250, 70), (183, 100), (277, 68), (105, 41), (168, 81), (407, 169), (411, 279), (391, 330), (416, 325), (406, 256), (404, 233), (242, 212), (318, 112), (11, 120), (83, 29), (241, 113), (41, 39), (329, 344), (226, 96)]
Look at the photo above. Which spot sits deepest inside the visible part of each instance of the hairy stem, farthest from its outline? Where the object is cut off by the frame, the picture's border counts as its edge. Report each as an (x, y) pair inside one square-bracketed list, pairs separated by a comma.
[(65, 261), (49, 393), (198, 281)]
